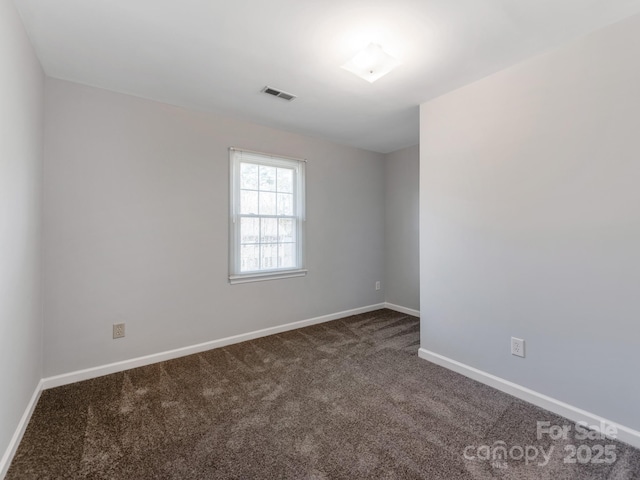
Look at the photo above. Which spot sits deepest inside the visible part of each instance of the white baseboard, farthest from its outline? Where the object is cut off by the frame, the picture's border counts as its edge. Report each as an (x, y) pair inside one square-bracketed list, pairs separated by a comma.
[(5, 462), (625, 434), (398, 308), (88, 373)]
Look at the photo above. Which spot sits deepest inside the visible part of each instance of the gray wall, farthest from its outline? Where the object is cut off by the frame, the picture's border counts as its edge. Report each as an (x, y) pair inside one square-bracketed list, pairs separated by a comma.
[(21, 124), (530, 226), (402, 266), (135, 218)]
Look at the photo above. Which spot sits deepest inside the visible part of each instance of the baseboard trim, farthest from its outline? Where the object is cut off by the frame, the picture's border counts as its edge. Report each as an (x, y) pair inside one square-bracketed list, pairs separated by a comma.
[(401, 309), (575, 414), (93, 372), (9, 453)]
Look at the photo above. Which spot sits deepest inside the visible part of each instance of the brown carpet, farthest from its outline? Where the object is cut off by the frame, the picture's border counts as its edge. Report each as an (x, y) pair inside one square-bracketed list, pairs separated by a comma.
[(343, 400)]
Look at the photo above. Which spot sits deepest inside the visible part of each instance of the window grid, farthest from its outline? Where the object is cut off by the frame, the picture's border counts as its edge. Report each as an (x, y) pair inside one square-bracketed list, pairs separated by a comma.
[(264, 243)]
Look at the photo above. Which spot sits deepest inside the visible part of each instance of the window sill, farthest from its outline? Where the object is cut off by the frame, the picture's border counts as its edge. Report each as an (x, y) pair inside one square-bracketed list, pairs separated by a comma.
[(261, 277)]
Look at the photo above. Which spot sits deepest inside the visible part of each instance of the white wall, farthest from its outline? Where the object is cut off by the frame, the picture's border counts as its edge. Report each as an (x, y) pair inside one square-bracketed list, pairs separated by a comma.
[(530, 223), (135, 219), (402, 266), (21, 124)]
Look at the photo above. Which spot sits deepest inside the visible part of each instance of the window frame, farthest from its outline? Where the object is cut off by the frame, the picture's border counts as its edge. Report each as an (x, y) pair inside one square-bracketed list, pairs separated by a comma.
[(260, 158)]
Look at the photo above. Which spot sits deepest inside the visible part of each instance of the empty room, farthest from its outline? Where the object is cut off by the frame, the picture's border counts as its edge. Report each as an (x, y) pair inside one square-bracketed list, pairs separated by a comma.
[(319, 240)]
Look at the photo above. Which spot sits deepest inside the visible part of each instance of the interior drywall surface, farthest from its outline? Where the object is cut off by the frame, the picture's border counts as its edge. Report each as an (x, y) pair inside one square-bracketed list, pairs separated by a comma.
[(21, 126), (530, 227), (136, 228), (402, 266)]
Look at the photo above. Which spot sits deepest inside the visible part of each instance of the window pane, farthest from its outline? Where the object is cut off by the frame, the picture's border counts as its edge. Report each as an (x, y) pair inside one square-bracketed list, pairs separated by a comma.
[(248, 202), (267, 178), (268, 256), (269, 230), (286, 255), (286, 230), (285, 180), (267, 203), (249, 258), (249, 230), (285, 204), (249, 176)]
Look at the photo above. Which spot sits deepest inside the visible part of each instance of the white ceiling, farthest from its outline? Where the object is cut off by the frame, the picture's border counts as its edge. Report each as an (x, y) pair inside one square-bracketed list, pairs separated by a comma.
[(216, 55)]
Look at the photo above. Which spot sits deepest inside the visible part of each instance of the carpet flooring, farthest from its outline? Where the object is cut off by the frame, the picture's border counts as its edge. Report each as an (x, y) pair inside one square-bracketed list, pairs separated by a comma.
[(347, 399)]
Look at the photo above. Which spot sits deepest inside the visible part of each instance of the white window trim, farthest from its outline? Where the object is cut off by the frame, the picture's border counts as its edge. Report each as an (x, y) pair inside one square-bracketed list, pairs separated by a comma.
[(235, 277)]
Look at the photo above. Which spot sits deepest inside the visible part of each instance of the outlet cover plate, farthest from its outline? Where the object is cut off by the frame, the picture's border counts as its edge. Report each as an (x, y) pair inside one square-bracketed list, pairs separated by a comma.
[(517, 347), (118, 330)]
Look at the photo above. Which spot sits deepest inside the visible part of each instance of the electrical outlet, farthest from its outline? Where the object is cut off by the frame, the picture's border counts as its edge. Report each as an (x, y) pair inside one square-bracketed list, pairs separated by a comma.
[(118, 330), (517, 347), (377, 285)]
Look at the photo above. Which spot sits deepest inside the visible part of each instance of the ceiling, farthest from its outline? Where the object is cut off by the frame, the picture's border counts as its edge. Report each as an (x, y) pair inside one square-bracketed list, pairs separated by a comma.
[(216, 55)]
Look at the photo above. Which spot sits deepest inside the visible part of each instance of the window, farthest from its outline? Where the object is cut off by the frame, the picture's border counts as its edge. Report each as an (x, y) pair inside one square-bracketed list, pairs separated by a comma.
[(267, 217)]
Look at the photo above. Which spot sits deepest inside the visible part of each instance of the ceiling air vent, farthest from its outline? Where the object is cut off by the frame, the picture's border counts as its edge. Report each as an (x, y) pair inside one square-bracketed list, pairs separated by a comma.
[(279, 93)]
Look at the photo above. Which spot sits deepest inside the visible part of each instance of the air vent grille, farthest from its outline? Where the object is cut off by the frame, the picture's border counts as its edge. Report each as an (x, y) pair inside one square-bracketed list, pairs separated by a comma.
[(279, 93)]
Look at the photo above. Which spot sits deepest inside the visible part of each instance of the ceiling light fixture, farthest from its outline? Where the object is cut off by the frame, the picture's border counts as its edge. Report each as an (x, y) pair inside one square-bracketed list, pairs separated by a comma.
[(371, 63)]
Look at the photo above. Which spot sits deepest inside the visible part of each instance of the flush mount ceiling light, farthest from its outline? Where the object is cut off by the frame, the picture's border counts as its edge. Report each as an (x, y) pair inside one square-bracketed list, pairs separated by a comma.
[(371, 63)]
